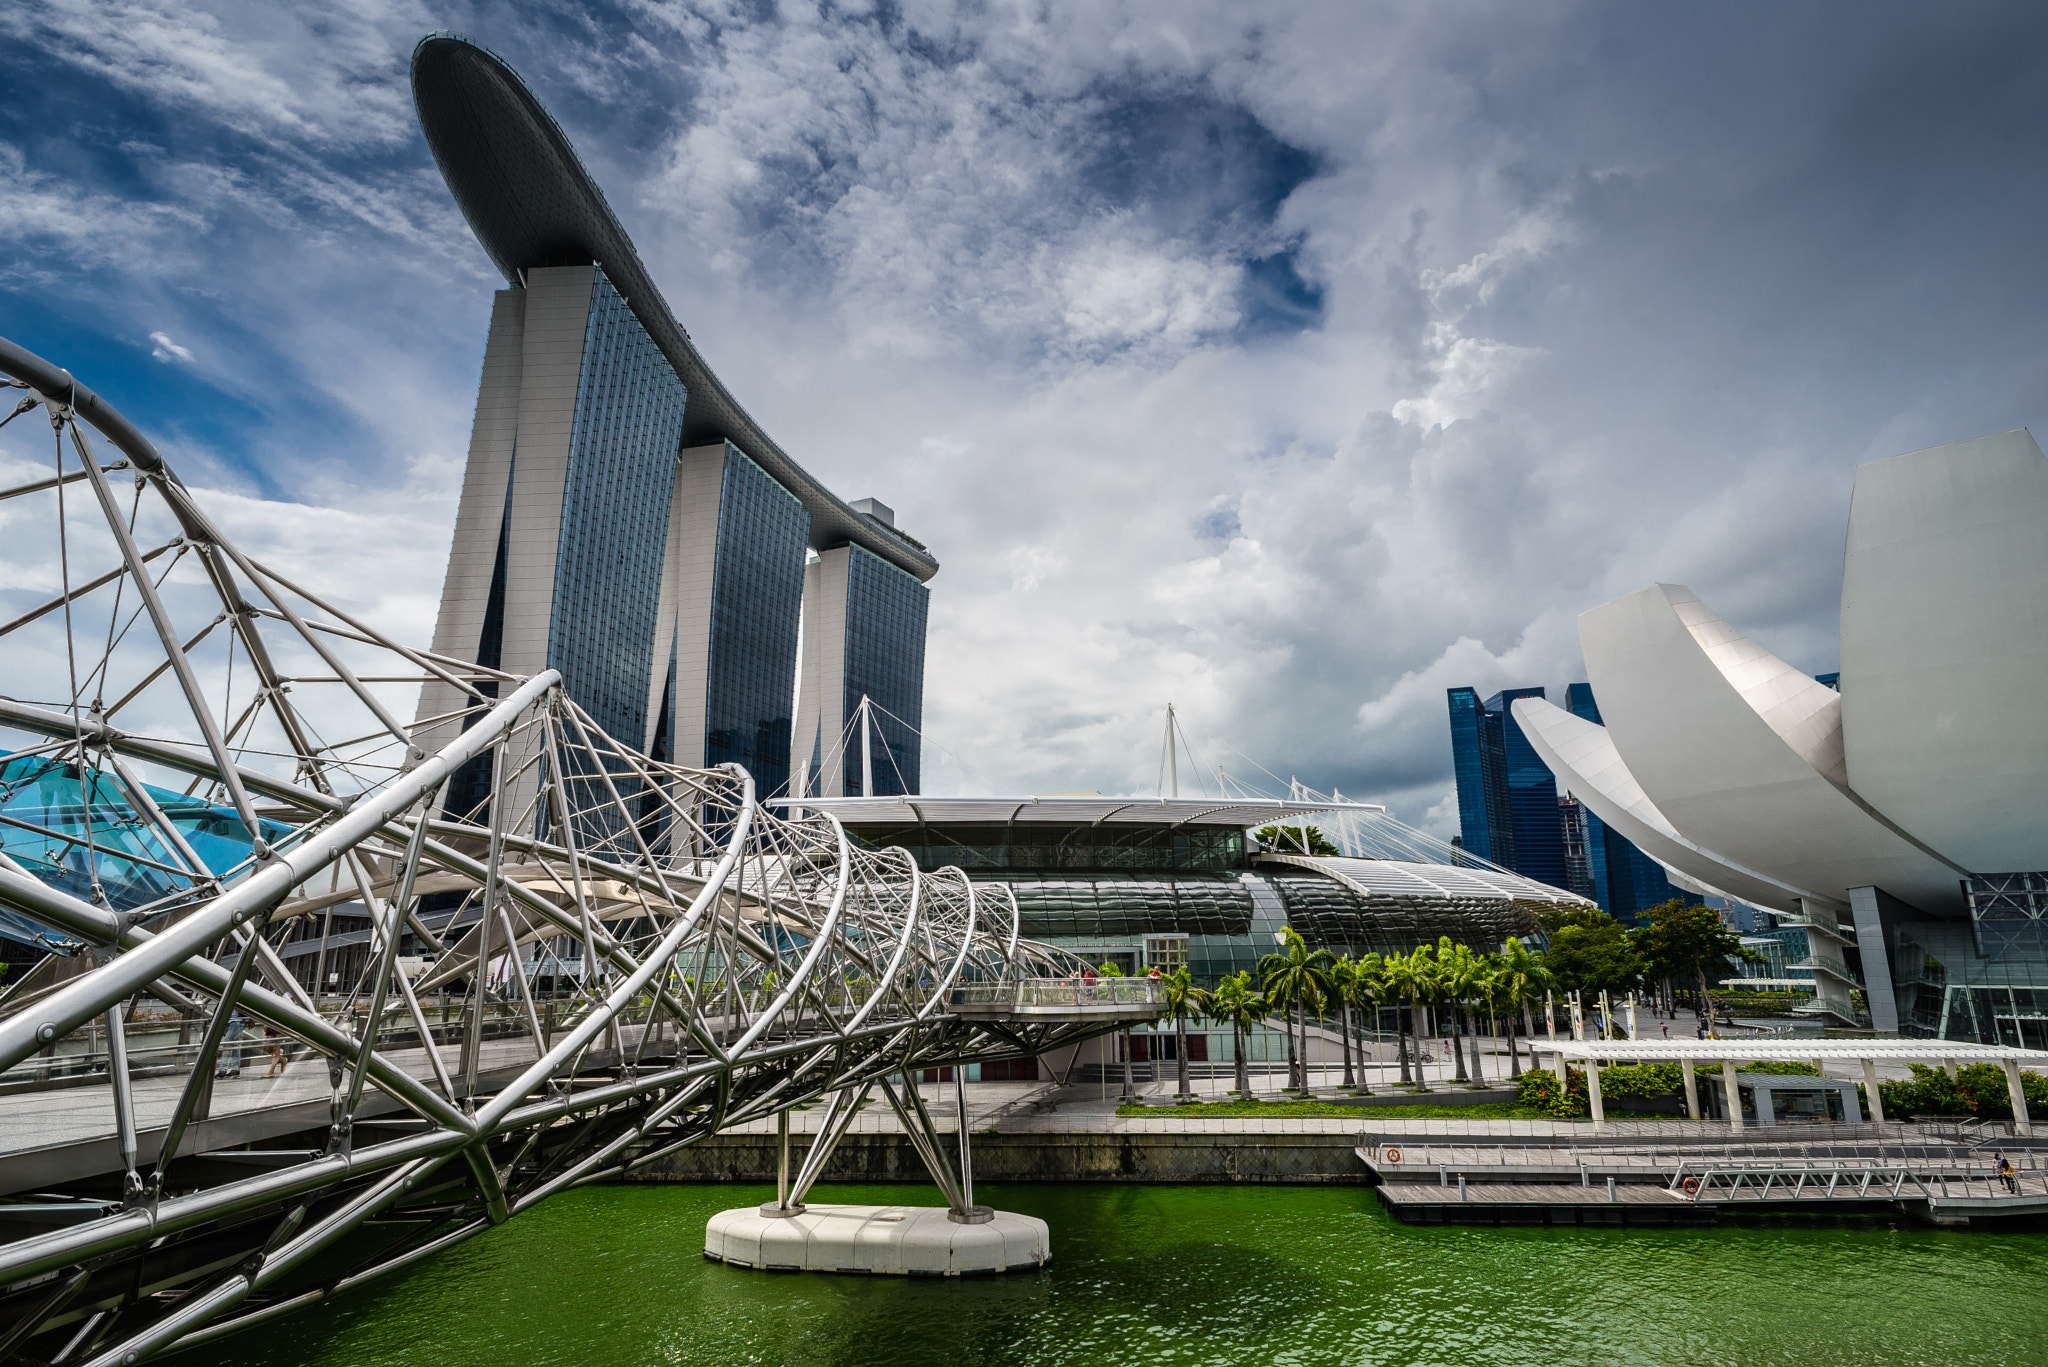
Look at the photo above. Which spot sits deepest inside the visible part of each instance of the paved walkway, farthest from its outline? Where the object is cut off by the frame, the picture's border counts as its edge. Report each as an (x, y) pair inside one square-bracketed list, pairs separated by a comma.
[(75, 1114)]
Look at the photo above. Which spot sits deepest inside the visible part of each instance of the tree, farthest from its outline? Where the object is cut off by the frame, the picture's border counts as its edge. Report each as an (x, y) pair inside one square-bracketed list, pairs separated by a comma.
[(1590, 952), (1520, 982), (1297, 977), (1235, 1004), (1287, 840), (1181, 994), (1357, 986), (1109, 968), (1410, 978), (1367, 990), (1685, 939), (1461, 978)]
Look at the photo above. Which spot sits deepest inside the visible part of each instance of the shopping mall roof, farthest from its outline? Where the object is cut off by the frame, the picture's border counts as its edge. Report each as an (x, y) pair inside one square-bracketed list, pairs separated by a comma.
[(1066, 810), (1379, 878)]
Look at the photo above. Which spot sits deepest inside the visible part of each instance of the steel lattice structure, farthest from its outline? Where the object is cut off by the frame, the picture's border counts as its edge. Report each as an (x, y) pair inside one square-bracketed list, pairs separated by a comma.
[(609, 957)]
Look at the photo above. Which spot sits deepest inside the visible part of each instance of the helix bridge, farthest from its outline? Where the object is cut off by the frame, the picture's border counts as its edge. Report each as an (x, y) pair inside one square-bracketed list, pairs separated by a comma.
[(568, 959)]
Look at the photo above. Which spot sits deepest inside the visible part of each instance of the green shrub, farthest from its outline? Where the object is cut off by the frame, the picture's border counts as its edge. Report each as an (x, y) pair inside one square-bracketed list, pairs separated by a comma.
[(1978, 1090), (1539, 1090), (1786, 1068), (1641, 1080)]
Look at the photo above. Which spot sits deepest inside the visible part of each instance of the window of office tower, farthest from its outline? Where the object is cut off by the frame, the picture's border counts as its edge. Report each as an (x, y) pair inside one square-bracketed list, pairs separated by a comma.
[(757, 592), (622, 461), (885, 623)]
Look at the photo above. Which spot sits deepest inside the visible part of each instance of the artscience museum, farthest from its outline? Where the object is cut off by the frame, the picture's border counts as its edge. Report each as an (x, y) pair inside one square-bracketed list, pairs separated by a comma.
[(1900, 816)]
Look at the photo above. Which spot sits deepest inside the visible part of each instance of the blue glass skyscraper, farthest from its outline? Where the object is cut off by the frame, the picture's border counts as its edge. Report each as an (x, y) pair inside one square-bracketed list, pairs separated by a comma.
[(1478, 757), (1507, 800)]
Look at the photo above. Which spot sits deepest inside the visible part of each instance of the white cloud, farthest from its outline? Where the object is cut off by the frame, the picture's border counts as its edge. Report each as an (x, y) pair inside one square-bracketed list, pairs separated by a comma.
[(1562, 325), (166, 348)]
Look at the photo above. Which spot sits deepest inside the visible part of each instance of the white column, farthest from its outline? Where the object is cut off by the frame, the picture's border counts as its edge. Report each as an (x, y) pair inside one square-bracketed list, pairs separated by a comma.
[(1593, 1096), (1948, 1065), (1874, 1101), (2022, 1123), (1692, 1089), (1734, 1097)]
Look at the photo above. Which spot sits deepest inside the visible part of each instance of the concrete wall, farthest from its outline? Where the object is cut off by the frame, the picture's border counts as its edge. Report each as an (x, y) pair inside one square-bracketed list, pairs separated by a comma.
[(693, 529), (1040, 1157), (821, 694)]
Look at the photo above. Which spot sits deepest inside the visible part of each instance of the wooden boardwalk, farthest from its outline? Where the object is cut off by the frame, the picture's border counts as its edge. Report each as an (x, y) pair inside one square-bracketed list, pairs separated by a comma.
[(1700, 1192), (1541, 1203)]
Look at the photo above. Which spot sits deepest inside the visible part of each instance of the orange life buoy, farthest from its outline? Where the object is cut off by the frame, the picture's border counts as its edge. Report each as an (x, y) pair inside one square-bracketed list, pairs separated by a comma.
[(1392, 1155), (1690, 1185)]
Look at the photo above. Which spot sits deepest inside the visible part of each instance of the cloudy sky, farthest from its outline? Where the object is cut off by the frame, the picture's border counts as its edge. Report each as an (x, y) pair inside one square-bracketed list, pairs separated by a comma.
[(1290, 362)]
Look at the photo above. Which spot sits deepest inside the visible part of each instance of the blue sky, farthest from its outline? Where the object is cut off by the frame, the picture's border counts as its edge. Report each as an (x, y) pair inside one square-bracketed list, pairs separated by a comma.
[(1290, 362)]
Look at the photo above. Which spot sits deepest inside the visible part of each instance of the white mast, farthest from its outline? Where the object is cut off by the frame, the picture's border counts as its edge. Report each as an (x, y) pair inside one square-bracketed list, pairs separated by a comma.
[(1172, 757), (867, 755)]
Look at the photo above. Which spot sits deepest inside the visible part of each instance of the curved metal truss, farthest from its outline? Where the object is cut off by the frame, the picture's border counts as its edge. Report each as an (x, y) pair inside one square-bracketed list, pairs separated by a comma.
[(525, 959)]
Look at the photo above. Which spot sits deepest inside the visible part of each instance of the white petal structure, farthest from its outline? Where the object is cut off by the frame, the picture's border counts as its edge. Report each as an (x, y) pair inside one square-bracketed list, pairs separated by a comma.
[(1945, 647), (1584, 755), (1742, 752), (1745, 776)]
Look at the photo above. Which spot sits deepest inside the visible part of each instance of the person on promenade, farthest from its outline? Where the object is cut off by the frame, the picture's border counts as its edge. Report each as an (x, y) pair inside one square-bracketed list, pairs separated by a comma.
[(273, 1044), (2008, 1175), (1666, 1028), (230, 1063)]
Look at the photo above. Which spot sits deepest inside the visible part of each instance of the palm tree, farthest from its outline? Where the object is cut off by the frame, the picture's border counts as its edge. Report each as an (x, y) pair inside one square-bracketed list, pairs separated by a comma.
[(1521, 982), (1362, 987), (1181, 994), (1235, 1004), (1343, 977), (1410, 978), (1110, 969), (1457, 977), (1298, 977)]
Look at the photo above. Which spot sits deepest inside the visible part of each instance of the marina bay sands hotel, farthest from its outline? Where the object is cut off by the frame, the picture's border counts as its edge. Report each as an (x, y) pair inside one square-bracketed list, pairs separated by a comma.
[(623, 519)]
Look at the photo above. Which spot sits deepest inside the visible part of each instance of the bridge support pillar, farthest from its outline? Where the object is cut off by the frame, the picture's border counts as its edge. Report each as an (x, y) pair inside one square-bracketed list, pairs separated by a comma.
[(2022, 1123), (1692, 1089), (924, 1137), (1872, 1100)]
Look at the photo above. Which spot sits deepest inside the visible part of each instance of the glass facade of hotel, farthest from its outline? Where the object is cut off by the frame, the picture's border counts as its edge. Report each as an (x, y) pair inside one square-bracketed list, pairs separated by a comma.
[(627, 426), (756, 598), (885, 625)]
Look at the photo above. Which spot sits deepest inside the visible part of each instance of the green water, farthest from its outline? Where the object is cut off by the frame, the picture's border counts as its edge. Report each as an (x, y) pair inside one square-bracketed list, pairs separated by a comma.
[(1188, 1275)]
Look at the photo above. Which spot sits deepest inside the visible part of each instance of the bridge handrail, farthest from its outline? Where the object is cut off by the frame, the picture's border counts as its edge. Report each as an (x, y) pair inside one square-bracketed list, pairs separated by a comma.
[(1073, 992)]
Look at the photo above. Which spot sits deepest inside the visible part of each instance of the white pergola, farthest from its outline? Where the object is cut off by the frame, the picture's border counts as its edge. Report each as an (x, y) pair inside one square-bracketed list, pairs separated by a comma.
[(1867, 1052)]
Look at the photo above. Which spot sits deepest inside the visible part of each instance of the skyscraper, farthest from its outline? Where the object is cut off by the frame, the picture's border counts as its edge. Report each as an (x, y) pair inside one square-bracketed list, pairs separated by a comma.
[(1507, 800), (864, 625), (1478, 758), (623, 519)]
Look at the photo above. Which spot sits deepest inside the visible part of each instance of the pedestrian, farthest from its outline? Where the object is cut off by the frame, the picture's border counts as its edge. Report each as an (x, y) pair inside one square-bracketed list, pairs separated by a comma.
[(2008, 1175), (1666, 1028), (230, 1061), (273, 1044)]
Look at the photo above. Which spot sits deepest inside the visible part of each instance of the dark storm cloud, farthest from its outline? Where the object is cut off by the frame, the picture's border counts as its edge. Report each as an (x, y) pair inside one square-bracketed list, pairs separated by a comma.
[(1294, 363)]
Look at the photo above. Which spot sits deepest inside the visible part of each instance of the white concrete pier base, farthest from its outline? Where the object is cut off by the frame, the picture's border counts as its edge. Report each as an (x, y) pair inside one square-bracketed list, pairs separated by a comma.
[(913, 1241)]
